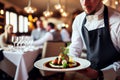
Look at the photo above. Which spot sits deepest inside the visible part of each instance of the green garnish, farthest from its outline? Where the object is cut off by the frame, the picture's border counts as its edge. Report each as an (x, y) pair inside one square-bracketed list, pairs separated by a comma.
[(63, 58), (65, 65), (65, 50)]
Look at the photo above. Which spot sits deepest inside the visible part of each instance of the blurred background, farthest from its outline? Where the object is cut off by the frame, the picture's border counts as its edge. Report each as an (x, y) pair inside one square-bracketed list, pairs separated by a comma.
[(22, 14)]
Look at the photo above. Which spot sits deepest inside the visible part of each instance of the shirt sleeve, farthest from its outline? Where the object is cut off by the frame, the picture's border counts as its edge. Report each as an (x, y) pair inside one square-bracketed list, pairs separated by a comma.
[(118, 37), (76, 45), (48, 36)]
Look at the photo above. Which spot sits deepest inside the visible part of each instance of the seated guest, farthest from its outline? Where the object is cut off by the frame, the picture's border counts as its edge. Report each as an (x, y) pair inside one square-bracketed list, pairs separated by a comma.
[(65, 34), (51, 35), (5, 37), (39, 31)]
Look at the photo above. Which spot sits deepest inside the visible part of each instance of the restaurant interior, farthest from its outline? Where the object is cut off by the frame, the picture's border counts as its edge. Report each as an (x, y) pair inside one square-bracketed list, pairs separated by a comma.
[(23, 14)]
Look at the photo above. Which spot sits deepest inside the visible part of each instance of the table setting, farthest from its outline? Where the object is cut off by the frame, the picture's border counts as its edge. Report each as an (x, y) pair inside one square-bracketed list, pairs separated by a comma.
[(20, 57)]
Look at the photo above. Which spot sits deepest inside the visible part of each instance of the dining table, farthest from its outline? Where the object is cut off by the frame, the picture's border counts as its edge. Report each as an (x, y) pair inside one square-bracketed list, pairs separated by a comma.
[(18, 62)]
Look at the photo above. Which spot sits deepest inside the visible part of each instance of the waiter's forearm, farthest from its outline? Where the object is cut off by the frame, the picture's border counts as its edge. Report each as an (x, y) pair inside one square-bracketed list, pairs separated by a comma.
[(109, 74), (112, 71)]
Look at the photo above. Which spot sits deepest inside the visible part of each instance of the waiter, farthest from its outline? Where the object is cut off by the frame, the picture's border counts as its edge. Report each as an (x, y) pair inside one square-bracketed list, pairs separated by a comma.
[(98, 29)]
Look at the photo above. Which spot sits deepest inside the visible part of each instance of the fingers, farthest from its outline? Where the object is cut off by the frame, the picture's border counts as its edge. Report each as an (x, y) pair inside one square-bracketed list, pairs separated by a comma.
[(82, 71), (89, 72)]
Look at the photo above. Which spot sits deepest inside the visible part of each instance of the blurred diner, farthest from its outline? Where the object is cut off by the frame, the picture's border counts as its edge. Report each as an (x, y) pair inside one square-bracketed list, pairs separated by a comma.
[(65, 34), (52, 35), (39, 31), (5, 37)]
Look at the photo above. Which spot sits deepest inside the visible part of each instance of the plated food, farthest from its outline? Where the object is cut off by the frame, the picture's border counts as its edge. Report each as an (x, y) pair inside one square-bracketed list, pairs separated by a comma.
[(62, 61), (44, 64)]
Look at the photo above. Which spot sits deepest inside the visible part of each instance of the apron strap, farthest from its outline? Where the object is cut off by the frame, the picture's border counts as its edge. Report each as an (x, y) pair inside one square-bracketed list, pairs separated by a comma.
[(106, 19)]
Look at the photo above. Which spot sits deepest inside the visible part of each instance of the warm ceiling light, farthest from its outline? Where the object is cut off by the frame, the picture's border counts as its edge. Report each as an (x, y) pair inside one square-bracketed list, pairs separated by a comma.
[(29, 8), (64, 14), (2, 11), (105, 1), (116, 2), (48, 13), (1, 27), (58, 6), (61, 10)]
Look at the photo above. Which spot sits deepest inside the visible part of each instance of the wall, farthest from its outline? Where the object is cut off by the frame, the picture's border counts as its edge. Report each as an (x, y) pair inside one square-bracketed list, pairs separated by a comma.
[(7, 5)]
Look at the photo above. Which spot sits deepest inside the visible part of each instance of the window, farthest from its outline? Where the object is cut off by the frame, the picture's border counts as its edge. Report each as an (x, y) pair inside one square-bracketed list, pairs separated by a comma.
[(11, 18), (21, 24), (25, 24)]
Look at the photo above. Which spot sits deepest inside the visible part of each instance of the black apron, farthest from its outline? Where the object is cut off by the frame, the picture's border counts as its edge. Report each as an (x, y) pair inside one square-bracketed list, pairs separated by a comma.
[(100, 49), (1, 55)]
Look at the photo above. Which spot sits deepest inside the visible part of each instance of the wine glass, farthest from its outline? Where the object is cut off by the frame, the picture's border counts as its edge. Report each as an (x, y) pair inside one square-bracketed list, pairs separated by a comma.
[(13, 39), (21, 41), (16, 40)]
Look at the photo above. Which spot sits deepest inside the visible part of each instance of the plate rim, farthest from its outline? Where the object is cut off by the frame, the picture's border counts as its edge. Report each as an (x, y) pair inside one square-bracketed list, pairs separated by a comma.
[(40, 65)]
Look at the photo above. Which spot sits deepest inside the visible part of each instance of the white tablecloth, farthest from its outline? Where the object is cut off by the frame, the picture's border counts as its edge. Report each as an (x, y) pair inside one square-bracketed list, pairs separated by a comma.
[(22, 60)]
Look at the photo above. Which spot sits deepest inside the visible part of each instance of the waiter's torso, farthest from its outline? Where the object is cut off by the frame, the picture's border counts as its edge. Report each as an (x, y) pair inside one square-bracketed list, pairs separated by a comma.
[(100, 49)]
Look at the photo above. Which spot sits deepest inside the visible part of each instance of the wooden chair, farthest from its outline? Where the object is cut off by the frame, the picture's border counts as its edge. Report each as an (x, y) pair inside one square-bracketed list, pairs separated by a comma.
[(52, 49)]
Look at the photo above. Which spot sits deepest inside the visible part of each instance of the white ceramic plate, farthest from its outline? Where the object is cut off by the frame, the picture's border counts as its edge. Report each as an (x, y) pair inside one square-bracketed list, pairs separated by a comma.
[(40, 64)]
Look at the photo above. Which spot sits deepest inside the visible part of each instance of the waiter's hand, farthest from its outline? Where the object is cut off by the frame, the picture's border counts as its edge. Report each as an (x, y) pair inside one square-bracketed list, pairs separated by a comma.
[(89, 72)]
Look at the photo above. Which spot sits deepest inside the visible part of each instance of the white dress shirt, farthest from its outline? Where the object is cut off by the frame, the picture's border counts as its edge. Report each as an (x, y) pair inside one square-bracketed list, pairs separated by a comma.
[(47, 37), (65, 35), (94, 22)]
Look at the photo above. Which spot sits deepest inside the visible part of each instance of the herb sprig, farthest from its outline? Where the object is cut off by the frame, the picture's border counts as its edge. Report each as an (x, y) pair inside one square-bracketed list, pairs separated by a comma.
[(65, 50)]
